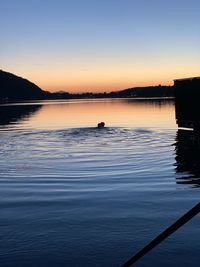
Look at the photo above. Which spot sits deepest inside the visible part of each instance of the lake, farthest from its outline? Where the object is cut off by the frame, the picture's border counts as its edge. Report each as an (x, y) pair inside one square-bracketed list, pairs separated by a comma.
[(74, 195)]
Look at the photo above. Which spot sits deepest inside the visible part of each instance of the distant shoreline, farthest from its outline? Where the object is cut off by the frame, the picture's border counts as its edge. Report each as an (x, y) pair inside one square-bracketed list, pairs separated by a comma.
[(40, 101), (15, 88)]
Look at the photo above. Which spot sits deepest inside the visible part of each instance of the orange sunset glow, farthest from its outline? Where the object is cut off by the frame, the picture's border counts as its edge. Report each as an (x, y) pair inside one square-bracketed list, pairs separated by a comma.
[(103, 48), (106, 79)]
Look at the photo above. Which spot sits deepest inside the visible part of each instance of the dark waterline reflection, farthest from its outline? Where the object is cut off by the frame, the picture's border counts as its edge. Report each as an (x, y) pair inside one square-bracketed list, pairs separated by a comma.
[(187, 147), (13, 114), (150, 101)]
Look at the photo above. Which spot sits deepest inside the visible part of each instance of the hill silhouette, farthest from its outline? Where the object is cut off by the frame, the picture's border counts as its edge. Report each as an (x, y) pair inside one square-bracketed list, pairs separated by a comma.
[(148, 91), (13, 87)]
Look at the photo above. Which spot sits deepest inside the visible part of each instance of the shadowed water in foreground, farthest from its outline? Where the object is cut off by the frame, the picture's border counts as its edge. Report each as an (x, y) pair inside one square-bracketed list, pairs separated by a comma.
[(188, 157), (82, 196)]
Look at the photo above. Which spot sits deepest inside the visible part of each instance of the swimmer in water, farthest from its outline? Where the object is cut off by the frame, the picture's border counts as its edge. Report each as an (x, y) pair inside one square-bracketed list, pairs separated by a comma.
[(101, 125)]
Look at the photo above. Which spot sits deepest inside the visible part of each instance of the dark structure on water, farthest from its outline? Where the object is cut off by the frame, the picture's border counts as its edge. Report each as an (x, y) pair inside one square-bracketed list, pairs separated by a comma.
[(187, 145), (187, 99)]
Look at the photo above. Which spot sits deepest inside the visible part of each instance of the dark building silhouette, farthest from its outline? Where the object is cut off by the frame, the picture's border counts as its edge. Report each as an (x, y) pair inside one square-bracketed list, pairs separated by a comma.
[(187, 100), (187, 145)]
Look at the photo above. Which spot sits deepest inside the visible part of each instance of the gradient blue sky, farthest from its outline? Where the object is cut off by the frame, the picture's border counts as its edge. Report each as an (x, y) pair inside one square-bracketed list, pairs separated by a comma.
[(100, 45)]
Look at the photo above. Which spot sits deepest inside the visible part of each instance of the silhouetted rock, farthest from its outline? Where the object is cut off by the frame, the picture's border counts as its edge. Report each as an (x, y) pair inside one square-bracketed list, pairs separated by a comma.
[(13, 87)]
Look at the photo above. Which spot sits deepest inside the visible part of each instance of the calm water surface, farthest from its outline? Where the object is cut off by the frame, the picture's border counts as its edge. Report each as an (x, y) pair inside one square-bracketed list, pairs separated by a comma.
[(73, 195)]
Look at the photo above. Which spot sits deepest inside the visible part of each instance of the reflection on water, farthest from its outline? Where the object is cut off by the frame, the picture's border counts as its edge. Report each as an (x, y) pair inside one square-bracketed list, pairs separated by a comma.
[(87, 113), (73, 195), (187, 147), (16, 114)]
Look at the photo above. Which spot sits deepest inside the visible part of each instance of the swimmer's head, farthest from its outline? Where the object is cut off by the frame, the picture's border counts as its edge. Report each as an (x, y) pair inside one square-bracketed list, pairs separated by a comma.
[(101, 124)]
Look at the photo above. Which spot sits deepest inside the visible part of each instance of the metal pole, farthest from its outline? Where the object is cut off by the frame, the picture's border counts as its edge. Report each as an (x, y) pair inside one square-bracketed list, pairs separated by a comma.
[(170, 230)]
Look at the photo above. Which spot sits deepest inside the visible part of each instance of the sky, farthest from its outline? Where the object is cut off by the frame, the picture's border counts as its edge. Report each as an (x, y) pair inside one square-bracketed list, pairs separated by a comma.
[(100, 45)]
